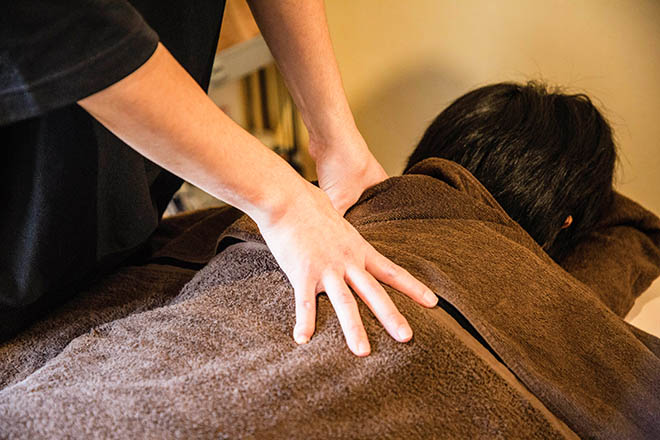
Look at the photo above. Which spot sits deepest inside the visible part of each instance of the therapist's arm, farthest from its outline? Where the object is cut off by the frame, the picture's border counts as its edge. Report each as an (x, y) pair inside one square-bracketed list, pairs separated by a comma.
[(297, 35), (160, 111)]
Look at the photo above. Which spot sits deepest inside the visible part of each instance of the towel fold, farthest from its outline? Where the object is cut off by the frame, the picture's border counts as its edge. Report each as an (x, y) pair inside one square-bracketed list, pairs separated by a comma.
[(217, 360)]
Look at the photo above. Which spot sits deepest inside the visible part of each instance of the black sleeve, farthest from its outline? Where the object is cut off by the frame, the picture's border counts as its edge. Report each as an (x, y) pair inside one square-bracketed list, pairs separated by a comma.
[(56, 52)]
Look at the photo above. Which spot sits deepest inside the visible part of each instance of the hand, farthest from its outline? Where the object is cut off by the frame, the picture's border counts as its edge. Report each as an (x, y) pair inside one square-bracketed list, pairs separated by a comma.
[(320, 251), (345, 169), (293, 215), (317, 249)]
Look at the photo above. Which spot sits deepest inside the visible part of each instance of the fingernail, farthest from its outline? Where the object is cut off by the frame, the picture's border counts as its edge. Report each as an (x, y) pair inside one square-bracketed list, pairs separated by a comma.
[(300, 338), (404, 332), (430, 298), (363, 348)]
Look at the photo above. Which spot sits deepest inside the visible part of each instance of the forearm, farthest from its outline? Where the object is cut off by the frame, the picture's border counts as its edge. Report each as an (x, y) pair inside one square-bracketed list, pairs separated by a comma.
[(297, 35), (162, 113), (174, 123)]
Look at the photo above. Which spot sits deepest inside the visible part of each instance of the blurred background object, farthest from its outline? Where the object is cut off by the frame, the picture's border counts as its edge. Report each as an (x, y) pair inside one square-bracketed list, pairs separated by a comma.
[(247, 86), (404, 62)]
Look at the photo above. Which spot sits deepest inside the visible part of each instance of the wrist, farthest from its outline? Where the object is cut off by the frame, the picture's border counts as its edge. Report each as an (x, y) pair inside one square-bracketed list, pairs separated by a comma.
[(329, 130), (338, 142), (274, 206)]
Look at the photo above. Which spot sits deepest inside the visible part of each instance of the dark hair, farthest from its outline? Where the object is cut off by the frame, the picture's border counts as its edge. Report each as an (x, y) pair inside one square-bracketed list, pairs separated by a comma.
[(543, 155)]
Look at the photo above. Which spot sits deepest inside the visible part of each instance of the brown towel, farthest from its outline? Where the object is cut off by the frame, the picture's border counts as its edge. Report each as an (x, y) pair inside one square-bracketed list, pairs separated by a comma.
[(219, 361), (179, 247), (621, 258), (129, 290)]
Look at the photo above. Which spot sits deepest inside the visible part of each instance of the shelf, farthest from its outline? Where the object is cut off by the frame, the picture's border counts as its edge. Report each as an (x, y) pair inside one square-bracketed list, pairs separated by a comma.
[(239, 60)]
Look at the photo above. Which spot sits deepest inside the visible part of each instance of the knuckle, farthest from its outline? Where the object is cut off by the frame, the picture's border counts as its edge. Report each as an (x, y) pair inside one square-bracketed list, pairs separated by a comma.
[(347, 253), (334, 270), (305, 304), (355, 329), (345, 297), (392, 270), (394, 318)]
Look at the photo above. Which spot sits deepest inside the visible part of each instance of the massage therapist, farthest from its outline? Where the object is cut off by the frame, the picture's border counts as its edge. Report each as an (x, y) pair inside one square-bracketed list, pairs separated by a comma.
[(78, 201)]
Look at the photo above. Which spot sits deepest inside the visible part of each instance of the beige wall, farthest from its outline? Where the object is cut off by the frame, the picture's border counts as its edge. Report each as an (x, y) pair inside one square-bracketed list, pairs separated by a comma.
[(404, 61)]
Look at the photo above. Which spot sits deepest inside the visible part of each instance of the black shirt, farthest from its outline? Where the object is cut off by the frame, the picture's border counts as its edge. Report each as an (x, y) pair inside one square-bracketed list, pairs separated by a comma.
[(75, 199)]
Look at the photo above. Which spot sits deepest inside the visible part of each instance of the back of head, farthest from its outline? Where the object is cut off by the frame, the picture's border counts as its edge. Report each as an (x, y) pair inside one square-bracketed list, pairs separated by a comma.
[(543, 155)]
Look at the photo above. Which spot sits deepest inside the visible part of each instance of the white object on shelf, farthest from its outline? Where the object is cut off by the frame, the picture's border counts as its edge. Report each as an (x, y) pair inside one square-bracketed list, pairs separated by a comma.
[(237, 61)]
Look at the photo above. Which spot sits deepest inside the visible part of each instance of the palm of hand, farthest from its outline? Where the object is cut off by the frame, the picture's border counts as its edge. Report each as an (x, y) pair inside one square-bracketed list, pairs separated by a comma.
[(319, 251)]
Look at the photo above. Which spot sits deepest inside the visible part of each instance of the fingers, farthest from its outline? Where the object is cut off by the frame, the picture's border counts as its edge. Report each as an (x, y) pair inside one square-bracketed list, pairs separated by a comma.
[(364, 281), (305, 313), (399, 278), (347, 312), (380, 303)]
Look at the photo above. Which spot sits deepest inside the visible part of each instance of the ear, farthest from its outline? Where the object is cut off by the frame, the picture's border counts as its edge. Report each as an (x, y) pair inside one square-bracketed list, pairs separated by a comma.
[(567, 222)]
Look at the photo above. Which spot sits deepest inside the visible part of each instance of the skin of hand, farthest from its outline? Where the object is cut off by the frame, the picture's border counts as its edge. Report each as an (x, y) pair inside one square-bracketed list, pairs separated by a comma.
[(324, 253), (160, 111), (344, 177), (297, 34)]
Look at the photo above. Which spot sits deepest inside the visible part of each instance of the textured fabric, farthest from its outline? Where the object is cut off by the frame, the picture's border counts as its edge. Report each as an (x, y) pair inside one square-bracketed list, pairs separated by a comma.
[(621, 257), (53, 53), (148, 280), (218, 360), (128, 290), (77, 201)]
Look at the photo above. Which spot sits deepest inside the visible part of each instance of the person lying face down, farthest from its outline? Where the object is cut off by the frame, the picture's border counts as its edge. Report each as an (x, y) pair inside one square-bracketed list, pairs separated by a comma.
[(547, 157), (517, 347)]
